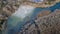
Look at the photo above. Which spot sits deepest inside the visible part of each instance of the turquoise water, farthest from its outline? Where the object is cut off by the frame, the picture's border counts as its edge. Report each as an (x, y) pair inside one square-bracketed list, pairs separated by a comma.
[(52, 8), (13, 30)]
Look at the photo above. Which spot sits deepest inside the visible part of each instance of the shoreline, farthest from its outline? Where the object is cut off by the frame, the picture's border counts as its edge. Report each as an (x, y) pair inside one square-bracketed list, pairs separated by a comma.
[(42, 5)]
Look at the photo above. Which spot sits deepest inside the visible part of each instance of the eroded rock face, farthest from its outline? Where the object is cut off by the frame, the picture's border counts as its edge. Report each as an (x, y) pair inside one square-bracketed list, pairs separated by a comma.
[(50, 24), (16, 20), (12, 5), (7, 7), (41, 3), (44, 25)]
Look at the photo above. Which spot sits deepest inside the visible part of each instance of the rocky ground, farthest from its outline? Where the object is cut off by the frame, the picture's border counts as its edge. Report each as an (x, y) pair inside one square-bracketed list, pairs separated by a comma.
[(7, 7), (49, 24), (43, 4)]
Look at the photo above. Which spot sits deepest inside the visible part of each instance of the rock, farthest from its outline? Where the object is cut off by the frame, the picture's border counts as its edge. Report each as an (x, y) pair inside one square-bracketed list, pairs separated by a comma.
[(43, 13), (44, 25), (49, 24)]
